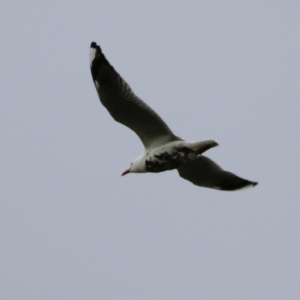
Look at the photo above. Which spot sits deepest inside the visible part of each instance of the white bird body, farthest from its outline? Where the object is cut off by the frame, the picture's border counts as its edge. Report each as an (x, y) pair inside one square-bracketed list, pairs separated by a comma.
[(169, 156), (163, 149)]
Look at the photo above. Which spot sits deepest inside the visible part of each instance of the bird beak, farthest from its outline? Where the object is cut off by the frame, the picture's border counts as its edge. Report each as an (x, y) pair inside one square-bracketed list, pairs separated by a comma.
[(125, 172)]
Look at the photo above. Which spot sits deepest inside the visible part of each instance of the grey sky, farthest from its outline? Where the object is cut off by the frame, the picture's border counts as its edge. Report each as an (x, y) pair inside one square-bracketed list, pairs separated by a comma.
[(73, 228)]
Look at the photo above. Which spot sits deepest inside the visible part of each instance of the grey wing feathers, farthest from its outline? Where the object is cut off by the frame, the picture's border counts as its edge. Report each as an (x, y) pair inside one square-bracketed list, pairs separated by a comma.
[(204, 172), (124, 106)]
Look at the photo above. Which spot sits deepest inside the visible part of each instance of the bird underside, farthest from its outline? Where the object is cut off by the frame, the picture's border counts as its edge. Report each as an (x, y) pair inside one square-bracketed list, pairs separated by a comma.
[(169, 160), (174, 154)]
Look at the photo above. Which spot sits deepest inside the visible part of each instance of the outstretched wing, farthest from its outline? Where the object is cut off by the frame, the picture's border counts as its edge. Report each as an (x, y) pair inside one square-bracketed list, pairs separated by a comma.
[(124, 106), (204, 172)]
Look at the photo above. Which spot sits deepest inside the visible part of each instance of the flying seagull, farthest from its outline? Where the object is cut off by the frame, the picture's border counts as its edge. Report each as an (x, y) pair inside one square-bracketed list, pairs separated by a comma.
[(163, 149)]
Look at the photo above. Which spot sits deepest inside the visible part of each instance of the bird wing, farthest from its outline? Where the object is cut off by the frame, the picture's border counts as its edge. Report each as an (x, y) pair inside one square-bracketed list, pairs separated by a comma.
[(124, 106), (204, 172)]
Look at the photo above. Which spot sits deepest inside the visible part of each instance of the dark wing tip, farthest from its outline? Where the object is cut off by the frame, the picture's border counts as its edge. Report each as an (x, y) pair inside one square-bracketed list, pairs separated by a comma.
[(231, 182), (96, 49), (96, 59)]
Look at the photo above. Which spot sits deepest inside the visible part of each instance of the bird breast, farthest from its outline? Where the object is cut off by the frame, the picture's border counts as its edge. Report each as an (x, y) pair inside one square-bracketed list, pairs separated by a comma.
[(168, 158)]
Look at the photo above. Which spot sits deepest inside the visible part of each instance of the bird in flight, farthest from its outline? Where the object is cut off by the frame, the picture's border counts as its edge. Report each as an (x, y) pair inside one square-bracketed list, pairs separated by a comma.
[(163, 149)]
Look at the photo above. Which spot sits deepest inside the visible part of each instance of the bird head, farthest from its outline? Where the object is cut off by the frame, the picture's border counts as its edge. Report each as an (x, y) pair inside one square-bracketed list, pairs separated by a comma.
[(137, 166)]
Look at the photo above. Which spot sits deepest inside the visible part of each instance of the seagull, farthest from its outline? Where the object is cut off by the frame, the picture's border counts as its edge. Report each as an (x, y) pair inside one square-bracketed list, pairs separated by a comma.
[(163, 149)]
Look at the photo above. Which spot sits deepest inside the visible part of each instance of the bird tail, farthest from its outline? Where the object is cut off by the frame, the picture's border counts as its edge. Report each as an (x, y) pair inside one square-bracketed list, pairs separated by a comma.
[(200, 147)]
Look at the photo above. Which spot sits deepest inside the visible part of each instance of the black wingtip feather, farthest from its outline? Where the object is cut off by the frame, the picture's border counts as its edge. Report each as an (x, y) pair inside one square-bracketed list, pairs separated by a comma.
[(101, 69), (97, 47)]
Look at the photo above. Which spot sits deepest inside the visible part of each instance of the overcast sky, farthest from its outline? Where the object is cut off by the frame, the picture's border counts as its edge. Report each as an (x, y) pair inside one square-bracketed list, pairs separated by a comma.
[(72, 227)]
